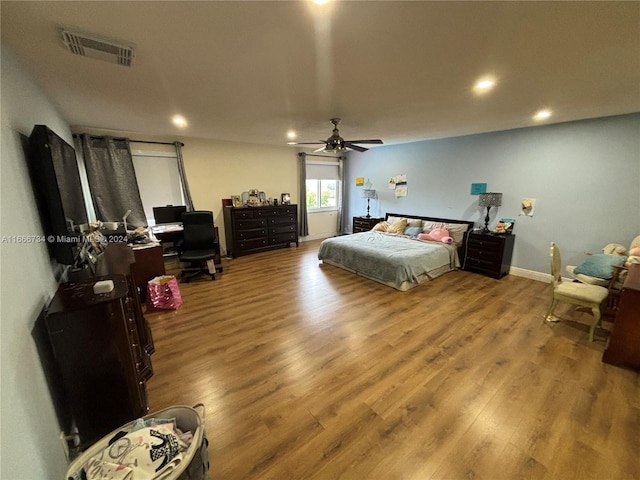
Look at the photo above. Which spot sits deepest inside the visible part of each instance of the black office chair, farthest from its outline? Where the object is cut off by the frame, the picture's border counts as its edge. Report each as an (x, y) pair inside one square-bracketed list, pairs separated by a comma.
[(199, 244)]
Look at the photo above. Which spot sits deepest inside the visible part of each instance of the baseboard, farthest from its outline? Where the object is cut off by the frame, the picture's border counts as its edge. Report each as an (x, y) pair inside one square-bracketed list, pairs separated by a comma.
[(318, 236), (531, 274)]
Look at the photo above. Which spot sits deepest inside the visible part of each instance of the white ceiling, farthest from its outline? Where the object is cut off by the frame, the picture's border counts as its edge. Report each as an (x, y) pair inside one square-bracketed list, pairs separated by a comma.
[(399, 71)]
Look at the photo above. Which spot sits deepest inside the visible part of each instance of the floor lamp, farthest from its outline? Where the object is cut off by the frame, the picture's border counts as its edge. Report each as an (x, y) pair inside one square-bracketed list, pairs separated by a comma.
[(368, 194), (489, 200)]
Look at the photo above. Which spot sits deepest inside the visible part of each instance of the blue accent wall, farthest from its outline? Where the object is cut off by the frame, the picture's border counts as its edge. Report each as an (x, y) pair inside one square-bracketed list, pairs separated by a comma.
[(584, 175)]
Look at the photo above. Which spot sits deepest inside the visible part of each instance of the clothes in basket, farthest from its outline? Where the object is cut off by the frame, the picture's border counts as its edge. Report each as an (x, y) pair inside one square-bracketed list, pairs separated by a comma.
[(168, 445)]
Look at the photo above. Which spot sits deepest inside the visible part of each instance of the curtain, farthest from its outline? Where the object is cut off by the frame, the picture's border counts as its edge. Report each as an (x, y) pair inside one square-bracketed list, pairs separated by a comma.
[(342, 228), (304, 218), (183, 178), (112, 180)]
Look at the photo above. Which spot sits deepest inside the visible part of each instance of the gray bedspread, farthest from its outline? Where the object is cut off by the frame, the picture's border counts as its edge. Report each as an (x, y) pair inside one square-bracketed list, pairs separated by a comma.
[(388, 258)]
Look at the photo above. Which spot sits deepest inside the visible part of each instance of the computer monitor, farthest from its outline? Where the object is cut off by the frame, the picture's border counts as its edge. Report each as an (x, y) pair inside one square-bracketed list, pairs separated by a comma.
[(169, 214)]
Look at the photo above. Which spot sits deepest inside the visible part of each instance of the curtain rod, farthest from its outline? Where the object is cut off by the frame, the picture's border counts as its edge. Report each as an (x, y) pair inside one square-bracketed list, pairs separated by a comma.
[(321, 156), (135, 141)]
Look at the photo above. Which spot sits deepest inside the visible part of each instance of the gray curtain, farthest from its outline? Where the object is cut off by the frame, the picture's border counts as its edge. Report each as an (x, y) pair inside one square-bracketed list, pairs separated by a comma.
[(183, 178), (342, 228), (304, 218), (112, 180)]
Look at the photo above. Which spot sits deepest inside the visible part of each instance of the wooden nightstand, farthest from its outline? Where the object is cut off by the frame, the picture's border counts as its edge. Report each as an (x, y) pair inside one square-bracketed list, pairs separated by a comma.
[(489, 254), (364, 224)]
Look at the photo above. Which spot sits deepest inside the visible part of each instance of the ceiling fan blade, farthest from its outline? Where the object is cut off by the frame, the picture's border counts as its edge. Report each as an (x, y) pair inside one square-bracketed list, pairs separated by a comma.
[(355, 147), (377, 141), (321, 149), (309, 143)]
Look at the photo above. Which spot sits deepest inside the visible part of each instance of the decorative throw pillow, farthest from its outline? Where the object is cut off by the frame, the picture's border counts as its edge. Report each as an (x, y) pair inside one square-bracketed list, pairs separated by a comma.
[(398, 227), (600, 265), (381, 227), (412, 231)]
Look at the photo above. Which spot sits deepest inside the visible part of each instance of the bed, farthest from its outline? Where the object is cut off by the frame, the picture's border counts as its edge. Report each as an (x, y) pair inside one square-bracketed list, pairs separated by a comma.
[(399, 260)]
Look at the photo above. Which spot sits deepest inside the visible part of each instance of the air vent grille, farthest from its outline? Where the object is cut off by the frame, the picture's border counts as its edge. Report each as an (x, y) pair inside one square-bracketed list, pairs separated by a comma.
[(100, 48)]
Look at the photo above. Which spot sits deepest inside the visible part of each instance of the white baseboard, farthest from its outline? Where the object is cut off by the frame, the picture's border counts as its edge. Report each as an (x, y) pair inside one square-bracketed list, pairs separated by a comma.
[(318, 236), (532, 274)]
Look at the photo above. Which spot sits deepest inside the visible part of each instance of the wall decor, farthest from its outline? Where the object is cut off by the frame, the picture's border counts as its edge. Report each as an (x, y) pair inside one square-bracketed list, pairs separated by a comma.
[(285, 199), (478, 188)]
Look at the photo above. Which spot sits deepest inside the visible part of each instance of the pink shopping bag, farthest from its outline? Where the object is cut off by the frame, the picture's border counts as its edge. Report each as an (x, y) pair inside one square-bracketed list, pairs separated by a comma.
[(163, 293)]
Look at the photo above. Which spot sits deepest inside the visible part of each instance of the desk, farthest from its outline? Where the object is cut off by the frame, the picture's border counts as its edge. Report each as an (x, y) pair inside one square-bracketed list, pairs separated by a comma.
[(171, 233), (623, 347)]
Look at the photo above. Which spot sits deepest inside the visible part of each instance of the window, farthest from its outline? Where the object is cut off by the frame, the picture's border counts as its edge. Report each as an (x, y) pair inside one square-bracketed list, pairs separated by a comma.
[(323, 186), (153, 168), (322, 194)]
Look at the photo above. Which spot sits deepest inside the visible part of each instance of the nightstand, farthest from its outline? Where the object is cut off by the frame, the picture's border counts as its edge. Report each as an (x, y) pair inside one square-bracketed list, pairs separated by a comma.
[(364, 224), (489, 254)]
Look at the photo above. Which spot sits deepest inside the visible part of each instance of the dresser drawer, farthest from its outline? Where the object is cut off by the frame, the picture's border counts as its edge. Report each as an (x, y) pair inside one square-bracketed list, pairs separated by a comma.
[(251, 233), (250, 223), (276, 229), (286, 237), (282, 219), (253, 243)]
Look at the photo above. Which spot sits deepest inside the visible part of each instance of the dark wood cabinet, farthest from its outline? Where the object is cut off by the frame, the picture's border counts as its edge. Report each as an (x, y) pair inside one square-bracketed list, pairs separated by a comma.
[(101, 346), (364, 224), (256, 229), (623, 346), (489, 254)]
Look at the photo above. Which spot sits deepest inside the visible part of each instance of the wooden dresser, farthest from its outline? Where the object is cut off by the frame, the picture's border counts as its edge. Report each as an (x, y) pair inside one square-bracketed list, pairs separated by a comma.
[(256, 229), (489, 254), (623, 347), (100, 348), (364, 224)]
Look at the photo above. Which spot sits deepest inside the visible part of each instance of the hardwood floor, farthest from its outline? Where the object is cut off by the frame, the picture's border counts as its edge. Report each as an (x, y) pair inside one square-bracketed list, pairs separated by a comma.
[(310, 372)]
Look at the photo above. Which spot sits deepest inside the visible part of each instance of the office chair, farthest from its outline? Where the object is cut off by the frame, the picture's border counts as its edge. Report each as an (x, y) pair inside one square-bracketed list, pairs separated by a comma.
[(199, 244)]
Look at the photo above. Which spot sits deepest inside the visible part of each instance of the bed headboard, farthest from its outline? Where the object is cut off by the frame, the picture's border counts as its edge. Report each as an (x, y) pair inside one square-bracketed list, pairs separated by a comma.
[(462, 249)]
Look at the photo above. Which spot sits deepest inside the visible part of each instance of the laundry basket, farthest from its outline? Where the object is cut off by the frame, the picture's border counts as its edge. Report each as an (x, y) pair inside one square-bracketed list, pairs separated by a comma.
[(195, 460)]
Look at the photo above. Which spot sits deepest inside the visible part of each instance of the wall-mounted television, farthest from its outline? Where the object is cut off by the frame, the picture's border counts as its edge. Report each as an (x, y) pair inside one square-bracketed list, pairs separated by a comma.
[(55, 177)]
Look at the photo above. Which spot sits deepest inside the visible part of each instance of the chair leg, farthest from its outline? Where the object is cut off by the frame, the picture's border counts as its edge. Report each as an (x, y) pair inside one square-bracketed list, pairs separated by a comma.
[(549, 316), (597, 321)]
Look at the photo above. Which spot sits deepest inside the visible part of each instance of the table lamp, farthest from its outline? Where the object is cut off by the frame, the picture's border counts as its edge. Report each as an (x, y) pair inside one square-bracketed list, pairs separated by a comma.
[(489, 200), (368, 194)]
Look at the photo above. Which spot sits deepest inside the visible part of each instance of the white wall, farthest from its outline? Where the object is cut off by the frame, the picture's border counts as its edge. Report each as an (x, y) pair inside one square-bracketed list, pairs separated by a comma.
[(30, 445), (584, 175)]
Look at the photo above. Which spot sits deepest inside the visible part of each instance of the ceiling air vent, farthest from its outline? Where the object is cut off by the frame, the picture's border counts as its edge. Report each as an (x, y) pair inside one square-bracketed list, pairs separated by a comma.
[(99, 48)]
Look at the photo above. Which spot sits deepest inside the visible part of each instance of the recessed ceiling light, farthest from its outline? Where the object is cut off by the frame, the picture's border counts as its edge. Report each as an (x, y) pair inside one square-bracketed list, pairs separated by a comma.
[(291, 134), (484, 85), (179, 121), (542, 114)]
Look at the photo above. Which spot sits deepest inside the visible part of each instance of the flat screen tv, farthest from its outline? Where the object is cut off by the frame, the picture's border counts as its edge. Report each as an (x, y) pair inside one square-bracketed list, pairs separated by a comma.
[(55, 177)]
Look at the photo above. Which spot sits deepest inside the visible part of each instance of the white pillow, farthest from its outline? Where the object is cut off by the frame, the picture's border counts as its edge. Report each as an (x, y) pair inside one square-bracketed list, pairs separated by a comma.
[(457, 231)]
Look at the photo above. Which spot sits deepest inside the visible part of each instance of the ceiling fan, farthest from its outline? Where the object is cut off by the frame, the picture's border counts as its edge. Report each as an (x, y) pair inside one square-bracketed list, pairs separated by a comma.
[(335, 143)]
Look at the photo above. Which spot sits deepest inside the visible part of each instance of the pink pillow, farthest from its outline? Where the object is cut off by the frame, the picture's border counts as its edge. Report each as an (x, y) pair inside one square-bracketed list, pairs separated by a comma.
[(437, 235)]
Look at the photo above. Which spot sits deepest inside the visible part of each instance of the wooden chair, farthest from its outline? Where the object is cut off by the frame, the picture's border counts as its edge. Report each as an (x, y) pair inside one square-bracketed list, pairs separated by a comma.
[(590, 296)]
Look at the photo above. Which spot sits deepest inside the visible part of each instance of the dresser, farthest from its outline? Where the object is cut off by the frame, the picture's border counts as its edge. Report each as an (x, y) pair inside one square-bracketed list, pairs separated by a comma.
[(257, 229), (489, 254), (364, 224), (96, 351), (623, 346)]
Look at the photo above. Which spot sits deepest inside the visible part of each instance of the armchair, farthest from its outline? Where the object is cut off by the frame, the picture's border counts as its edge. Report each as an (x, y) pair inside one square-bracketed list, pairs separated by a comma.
[(199, 245)]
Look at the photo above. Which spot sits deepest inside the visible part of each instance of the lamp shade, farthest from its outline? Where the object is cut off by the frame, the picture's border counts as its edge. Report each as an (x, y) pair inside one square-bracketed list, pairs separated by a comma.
[(490, 199), (368, 193)]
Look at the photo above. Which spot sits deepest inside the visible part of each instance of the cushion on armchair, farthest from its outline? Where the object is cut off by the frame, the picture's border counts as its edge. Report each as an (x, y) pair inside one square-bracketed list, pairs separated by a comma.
[(600, 265)]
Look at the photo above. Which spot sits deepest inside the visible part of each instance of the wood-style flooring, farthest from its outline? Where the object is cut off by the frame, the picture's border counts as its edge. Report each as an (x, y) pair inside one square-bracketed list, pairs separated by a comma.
[(311, 372)]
